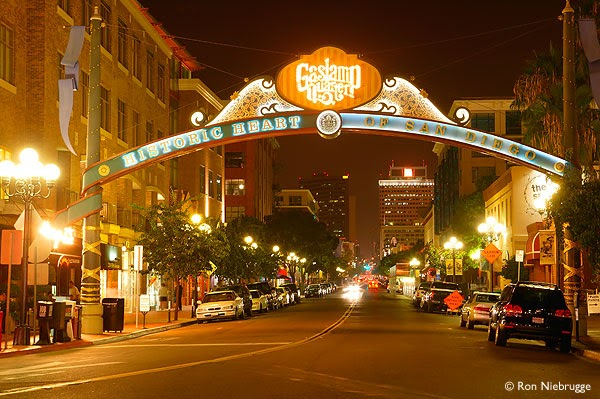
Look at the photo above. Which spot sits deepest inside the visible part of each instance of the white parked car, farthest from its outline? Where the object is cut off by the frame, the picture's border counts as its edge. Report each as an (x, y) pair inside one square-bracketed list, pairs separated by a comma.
[(260, 301), (220, 305)]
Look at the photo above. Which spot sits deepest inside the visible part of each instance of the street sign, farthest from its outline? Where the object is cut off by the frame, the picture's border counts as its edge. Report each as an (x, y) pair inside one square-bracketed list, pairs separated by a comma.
[(519, 254), (144, 303), (454, 300), (593, 302), (491, 253), (213, 267), (12, 247)]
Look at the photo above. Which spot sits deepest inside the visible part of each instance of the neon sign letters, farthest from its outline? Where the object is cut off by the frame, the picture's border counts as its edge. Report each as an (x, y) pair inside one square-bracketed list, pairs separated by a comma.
[(327, 83)]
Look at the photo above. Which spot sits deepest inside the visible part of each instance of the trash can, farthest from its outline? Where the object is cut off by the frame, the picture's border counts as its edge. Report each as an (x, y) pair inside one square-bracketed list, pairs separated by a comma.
[(58, 321), (69, 307), (76, 320), (44, 316), (113, 314)]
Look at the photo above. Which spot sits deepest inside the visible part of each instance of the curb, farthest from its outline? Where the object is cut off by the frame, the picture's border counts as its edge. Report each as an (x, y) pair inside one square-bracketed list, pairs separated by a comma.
[(83, 343), (587, 353)]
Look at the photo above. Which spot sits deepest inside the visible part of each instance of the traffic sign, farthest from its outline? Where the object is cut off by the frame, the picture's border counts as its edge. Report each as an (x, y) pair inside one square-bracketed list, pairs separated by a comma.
[(454, 300), (519, 254), (491, 253)]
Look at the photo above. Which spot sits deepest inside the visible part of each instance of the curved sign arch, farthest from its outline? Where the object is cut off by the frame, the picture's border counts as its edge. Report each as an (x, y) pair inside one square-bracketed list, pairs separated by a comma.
[(327, 92)]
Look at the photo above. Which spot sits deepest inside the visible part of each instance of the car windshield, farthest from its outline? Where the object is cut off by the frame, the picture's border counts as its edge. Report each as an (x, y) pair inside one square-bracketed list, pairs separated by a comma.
[(218, 297), (487, 298), (533, 298)]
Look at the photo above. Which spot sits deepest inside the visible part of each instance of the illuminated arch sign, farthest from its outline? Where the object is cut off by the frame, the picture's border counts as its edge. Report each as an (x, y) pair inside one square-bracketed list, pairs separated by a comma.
[(327, 92)]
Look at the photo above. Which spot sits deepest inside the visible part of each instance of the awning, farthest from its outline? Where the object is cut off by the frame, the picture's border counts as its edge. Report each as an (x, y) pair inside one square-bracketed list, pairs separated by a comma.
[(532, 248)]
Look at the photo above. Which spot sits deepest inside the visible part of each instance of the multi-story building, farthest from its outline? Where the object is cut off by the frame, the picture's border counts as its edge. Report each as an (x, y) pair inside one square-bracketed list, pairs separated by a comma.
[(146, 93), (332, 194), (404, 197), (301, 199), (249, 178), (461, 172)]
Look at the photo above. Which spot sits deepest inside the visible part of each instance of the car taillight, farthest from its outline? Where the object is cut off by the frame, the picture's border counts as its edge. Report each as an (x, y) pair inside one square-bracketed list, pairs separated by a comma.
[(513, 310), (480, 309), (562, 313)]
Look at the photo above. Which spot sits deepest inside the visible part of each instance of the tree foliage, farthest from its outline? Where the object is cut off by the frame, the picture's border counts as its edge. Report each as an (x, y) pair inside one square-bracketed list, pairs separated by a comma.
[(176, 248)]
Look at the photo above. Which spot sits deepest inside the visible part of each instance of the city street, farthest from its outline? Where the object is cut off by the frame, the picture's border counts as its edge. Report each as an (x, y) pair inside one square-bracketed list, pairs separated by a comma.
[(326, 347)]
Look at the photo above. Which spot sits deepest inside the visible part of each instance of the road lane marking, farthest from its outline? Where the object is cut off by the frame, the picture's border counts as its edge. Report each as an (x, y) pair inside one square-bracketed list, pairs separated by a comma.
[(64, 384)]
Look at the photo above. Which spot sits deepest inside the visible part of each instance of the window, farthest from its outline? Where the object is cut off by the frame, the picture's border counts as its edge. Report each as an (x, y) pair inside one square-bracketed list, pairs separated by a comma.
[(105, 14), (482, 171), (149, 131), (135, 119), (137, 66), (234, 212), (86, 12), (234, 159), (7, 54), (84, 84), (202, 181), (159, 134), (235, 187), (104, 108), (150, 71), (211, 184), (121, 120), (484, 121), (219, 188), (513, 122), (64, 5), (122, 44), (160, 89), (295, 200)]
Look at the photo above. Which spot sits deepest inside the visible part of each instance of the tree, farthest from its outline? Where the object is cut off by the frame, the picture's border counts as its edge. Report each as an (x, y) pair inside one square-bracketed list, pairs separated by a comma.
[(299, 232), (510, 270), (174, 247)]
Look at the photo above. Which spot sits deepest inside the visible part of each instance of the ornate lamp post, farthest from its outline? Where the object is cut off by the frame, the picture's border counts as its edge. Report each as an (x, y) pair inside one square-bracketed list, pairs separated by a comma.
[(453, 244), (28, 180), (492, 231)]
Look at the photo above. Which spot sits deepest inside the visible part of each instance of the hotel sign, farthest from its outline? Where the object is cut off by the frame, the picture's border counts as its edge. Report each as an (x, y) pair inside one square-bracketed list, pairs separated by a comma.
[(328, 79)]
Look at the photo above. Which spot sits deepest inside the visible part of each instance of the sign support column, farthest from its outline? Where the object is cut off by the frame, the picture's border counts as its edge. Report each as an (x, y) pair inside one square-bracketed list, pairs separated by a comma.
[(91, 320)]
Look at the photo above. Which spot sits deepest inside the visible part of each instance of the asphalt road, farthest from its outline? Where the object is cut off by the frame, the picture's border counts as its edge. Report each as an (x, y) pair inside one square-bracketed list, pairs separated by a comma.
[(377, 347)]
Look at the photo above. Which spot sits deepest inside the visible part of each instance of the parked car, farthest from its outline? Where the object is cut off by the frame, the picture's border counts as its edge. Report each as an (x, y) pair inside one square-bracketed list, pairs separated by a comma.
[(266, 289), (531, 310), (244, 293), (435, 295), (419, 292), (324, 288), (220, 305), (283, 296), (260, 302), (294, 290), (313, 290), (477, 309)]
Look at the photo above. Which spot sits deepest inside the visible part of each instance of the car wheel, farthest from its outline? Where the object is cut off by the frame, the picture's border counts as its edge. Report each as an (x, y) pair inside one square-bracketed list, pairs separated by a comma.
[(491, 332), (471, 323), (565, 344), (462, 321), (500, 339)]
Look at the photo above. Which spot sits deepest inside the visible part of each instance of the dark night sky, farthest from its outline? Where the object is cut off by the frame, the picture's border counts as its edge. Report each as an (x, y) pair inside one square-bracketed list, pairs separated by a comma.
[(454, 49)]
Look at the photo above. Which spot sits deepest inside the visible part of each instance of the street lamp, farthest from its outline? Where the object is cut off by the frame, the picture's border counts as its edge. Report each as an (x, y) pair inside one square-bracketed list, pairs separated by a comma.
[(28, 180), (453, 244), (492, 231)]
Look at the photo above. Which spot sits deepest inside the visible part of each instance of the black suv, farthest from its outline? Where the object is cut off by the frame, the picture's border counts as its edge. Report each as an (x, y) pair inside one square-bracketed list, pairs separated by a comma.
[(242, 292), (531, 310), (266, 289), (433, 298)]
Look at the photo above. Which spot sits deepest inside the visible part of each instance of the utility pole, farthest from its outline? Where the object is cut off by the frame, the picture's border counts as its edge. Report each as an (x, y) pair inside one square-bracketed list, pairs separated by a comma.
[(91, 320), (571, 257)]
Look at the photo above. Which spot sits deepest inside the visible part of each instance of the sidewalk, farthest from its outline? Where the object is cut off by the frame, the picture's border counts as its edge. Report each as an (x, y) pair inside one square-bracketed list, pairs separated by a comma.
[(156, 321)]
